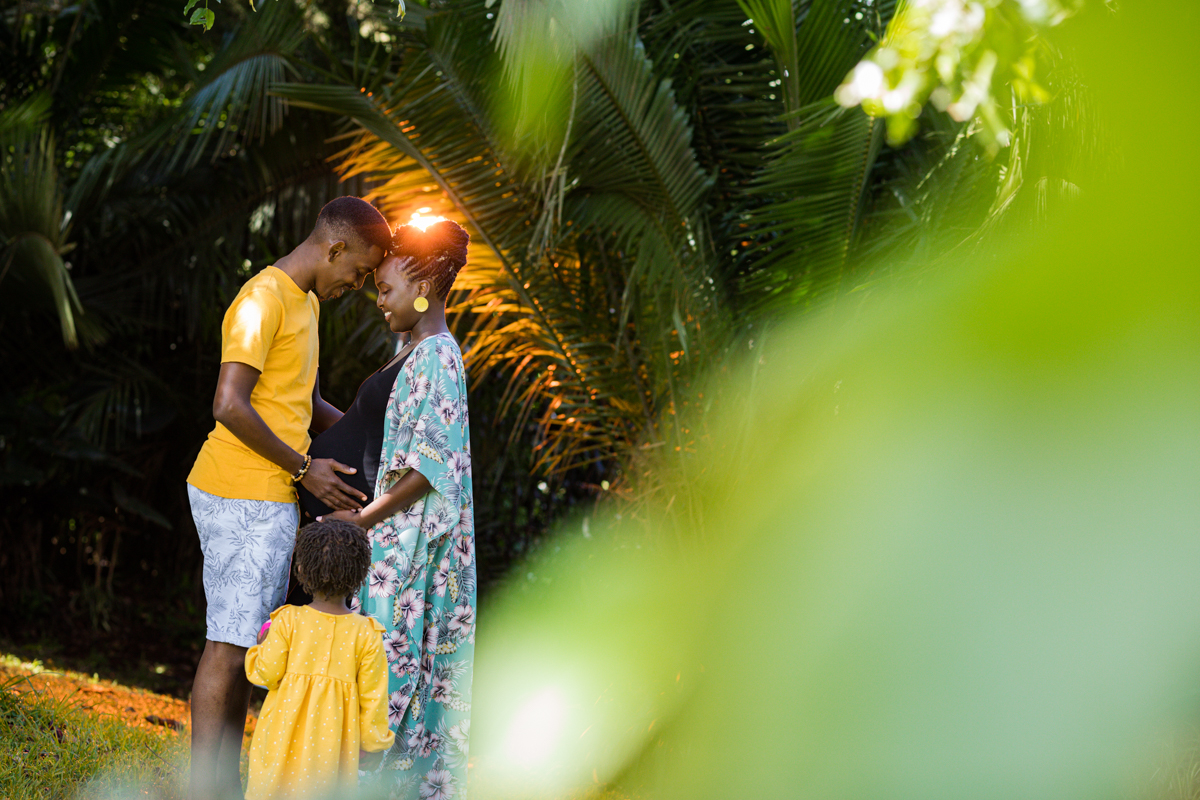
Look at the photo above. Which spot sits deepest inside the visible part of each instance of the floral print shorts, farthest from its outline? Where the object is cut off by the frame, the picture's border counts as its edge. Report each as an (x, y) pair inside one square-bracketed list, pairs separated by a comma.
[(247, 546)]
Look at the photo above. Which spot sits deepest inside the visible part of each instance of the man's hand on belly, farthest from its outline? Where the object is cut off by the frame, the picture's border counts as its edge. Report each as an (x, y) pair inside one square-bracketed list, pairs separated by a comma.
[(326, 486)]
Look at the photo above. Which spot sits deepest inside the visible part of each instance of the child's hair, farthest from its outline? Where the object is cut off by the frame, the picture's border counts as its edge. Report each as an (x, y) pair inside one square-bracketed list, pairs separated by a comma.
[(333, 557)]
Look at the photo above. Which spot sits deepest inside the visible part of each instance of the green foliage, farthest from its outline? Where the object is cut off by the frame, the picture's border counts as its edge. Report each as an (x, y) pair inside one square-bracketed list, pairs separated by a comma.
[(962, 57), (205, 17), (651, 183), (947, 534), (33, 228), (625, 197)]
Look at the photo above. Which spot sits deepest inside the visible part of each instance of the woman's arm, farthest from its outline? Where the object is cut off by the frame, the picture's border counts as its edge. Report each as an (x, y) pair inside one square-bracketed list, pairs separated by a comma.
[(406, 491)]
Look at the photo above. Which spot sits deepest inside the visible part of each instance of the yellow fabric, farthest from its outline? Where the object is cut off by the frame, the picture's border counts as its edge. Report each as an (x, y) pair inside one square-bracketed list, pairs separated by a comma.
[(327, 699), (271, 326)]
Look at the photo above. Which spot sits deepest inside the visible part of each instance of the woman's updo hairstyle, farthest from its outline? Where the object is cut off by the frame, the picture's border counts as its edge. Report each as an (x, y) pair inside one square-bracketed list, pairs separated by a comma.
[(437, 253)]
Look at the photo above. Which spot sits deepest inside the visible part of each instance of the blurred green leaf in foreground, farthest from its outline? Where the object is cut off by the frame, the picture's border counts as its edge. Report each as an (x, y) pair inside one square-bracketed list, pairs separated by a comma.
[(951, 538)]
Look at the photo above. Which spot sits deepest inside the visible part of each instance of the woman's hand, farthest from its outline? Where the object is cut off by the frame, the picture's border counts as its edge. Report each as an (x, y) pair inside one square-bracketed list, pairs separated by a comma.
[(354, 515), (326, 486)]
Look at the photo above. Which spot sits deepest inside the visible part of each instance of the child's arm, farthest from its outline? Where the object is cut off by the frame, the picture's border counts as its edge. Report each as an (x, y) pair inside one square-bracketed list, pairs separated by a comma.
[(266, 662), (374, 736)]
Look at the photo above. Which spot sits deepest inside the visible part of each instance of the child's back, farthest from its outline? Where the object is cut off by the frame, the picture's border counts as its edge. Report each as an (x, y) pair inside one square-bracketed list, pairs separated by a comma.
[(327, 677)]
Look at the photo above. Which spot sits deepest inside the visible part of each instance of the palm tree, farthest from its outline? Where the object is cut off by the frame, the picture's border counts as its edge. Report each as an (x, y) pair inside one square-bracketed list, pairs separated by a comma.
[(701, 180), (145, 171)]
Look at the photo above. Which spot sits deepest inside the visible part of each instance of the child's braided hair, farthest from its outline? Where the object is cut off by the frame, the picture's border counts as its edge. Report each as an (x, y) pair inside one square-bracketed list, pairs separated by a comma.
[(435, 254), (333, 557)]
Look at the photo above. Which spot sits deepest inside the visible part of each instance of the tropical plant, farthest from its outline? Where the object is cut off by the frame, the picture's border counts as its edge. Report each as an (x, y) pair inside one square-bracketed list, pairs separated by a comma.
[(33, 227), (146, 164), (959, 56), (600, 295), (681, 177)]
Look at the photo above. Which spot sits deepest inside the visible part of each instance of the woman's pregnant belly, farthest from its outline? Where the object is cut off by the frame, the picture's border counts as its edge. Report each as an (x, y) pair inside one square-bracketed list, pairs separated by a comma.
[(343, 441)]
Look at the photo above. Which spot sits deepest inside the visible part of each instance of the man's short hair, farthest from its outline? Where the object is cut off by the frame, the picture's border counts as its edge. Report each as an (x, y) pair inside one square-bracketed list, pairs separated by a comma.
[(354, 221)]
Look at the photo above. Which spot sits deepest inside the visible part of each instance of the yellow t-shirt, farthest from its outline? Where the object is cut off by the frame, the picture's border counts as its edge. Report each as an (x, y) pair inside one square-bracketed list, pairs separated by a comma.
[(271, 326)]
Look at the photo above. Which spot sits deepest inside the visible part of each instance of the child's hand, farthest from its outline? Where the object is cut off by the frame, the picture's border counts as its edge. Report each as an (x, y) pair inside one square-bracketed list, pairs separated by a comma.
[(262, 632), (368, 761)]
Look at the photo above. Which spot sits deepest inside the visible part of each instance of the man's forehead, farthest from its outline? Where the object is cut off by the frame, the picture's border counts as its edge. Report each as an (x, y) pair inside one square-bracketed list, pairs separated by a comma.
[(368, 257)]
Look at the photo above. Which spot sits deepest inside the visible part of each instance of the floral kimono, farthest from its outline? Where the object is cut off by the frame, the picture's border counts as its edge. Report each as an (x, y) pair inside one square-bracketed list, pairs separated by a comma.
[(422, 580)]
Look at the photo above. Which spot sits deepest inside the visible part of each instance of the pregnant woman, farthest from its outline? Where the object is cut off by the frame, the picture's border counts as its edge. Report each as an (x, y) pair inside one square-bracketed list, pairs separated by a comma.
[(421, 586)]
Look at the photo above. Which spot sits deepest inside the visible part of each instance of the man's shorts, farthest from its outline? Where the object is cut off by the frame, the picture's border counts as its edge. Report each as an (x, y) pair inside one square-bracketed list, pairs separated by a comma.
[(247, 546)]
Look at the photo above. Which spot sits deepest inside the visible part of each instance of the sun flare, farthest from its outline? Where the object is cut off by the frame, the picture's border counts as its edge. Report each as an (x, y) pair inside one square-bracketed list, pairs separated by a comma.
[(421, 221)]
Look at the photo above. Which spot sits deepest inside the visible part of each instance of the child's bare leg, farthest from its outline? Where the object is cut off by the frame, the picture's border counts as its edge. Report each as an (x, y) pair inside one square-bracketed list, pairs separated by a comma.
[(220, 695)]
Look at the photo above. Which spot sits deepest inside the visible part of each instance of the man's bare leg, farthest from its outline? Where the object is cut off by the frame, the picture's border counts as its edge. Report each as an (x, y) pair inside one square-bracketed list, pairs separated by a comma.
[(220, 697)]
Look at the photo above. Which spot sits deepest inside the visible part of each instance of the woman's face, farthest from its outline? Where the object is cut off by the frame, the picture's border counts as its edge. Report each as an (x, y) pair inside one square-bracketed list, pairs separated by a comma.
[(397, 291)]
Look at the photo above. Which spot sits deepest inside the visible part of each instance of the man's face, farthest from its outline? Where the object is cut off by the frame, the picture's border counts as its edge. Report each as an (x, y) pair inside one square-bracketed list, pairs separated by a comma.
[(345, 267)]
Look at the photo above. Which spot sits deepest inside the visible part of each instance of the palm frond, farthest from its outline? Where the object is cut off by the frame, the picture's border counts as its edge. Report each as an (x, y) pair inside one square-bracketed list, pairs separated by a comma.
[(776, 19), (796, 239), (234, 98), (531, 307), (33, 228), (798, 242)]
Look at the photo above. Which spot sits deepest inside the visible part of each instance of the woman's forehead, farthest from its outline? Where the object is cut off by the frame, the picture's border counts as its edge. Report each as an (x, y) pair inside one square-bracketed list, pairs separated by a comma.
[(394, 262)]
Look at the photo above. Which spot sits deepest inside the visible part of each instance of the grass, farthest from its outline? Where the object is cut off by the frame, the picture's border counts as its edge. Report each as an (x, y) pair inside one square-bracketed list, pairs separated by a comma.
[(53, 746), (65, 735), (1177, 769)]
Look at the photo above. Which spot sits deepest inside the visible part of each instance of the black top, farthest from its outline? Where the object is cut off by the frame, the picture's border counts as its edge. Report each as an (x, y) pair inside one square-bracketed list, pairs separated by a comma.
[(356, 439)]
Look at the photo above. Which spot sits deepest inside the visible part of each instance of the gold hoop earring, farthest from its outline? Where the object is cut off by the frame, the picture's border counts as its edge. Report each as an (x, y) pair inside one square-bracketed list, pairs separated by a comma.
[(421, 305)]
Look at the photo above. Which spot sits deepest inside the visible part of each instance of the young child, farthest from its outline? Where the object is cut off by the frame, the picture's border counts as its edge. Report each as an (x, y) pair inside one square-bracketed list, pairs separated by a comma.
[(325, 672)]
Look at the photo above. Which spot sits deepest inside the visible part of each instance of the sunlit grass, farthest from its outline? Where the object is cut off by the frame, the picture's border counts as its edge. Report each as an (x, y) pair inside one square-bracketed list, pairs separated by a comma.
[(56, 748), (55, 744), (53, 748)]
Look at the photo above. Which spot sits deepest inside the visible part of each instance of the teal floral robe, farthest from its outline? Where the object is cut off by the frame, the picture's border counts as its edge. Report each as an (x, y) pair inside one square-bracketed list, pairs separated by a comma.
[(422, 580)]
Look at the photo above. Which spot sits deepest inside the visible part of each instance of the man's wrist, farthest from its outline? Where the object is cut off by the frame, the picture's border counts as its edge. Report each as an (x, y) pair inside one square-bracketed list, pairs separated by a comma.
[(294, 462), (300, 472)]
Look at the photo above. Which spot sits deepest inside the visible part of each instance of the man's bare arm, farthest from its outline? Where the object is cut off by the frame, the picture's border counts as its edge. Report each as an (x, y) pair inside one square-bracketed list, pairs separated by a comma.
[(232, 408), (324, 414)]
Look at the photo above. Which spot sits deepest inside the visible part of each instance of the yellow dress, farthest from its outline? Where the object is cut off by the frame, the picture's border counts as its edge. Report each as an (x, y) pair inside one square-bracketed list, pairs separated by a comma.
[(327, 681)]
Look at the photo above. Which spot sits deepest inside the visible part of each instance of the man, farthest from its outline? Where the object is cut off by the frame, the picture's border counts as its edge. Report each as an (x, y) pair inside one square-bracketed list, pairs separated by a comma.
[(241, 487)]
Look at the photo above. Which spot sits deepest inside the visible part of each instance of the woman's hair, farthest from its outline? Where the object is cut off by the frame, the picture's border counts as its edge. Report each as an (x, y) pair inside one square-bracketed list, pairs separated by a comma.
[(333, 557), (436, 254)]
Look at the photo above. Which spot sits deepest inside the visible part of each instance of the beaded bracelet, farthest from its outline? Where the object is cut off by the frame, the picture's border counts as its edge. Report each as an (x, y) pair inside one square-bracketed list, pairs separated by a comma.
[(299, 476)]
